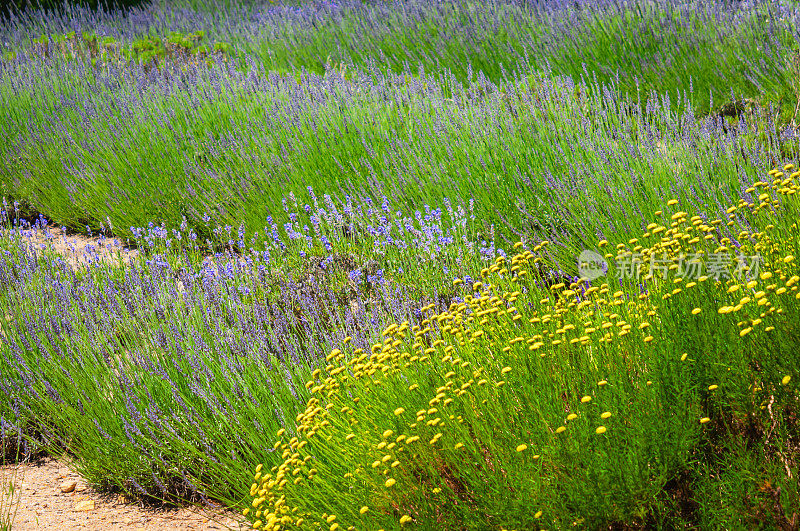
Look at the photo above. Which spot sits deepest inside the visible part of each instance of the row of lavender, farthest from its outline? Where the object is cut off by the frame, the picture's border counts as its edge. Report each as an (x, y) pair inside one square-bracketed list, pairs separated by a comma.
[(663, 43), (89, 141), (539, 155), (173, 368)]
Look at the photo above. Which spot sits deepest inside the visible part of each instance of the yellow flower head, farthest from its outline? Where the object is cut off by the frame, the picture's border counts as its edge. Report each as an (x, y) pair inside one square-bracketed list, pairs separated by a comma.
[(522, 447), (600, 430), (390, 482), (586, 399)]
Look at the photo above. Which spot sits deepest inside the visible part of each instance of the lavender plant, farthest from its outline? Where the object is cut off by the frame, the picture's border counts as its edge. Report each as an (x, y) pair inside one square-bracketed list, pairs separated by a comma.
[(664, 44), (183, 362), (538, 156), (178, 142)]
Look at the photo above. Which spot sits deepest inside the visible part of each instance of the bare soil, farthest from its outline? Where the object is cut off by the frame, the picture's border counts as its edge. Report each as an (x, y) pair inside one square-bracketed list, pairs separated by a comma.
[(42, 504), (79, 250)]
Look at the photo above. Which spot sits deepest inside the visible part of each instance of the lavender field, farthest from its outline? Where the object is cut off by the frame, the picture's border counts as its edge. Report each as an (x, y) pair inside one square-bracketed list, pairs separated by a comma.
[(505, 264)]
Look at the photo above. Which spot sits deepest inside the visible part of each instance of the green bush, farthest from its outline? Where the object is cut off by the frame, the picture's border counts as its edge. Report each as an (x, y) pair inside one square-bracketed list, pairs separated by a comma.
[(579, 404)]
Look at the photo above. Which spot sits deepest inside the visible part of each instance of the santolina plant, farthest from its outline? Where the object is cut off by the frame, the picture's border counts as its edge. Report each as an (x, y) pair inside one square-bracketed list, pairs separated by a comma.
[(519, 408)]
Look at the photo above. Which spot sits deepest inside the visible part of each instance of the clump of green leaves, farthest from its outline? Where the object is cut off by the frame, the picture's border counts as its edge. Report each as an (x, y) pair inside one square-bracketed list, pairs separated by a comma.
[(179, 46), (150, 50)]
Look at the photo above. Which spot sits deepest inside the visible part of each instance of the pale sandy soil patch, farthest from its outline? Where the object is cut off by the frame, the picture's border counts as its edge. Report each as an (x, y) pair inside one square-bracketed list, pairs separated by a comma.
[(76, 249), (43, 504)]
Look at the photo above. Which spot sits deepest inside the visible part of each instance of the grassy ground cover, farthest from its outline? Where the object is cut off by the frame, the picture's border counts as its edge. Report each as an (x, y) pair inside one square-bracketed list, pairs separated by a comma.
[(359, 227)]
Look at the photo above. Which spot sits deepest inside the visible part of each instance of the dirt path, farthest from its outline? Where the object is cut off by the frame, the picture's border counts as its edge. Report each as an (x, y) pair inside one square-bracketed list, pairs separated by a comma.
[(44, 505)]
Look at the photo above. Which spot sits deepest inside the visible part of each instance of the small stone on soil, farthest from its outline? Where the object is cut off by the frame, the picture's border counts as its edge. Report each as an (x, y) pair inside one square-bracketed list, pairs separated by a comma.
[(85, 505)]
